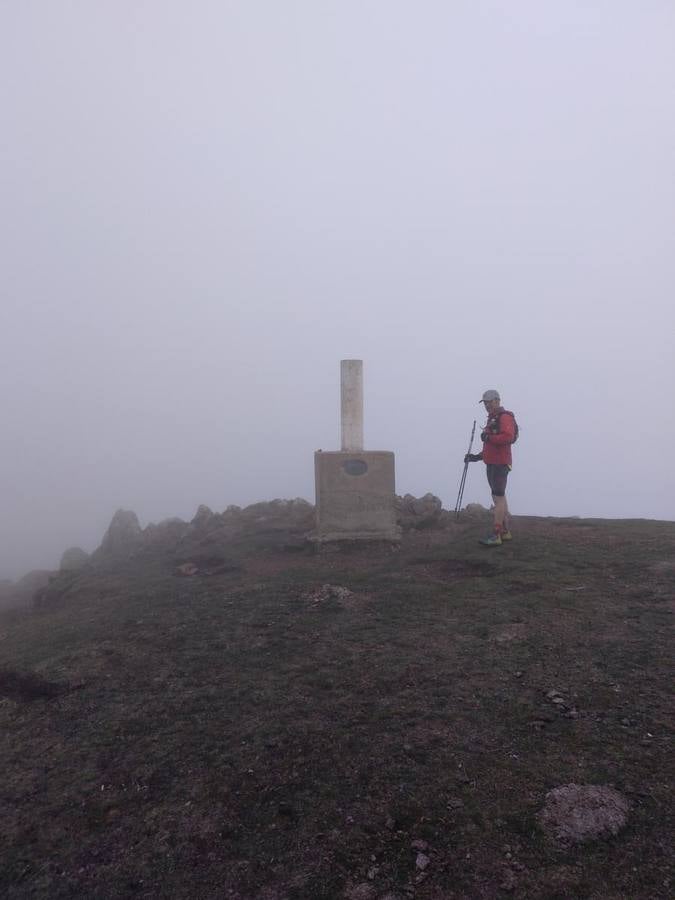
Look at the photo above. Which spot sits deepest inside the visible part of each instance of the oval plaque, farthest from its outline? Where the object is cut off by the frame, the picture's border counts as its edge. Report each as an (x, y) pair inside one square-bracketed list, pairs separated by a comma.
[(355, 466)]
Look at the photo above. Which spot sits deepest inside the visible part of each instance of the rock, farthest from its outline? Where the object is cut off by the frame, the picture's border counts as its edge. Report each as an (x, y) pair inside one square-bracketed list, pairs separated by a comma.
[(422, 861), (328, 592), (33, 581), (22, 593), (297, 513), (203, 518), (575, 813), (422, 512), (123, 536), (419, 845), (475, 511), (73, 558), (362, 891), (165, 534), (187, 569)]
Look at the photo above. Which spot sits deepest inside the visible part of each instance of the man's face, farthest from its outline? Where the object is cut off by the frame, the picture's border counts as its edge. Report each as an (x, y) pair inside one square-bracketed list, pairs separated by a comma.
[(491, 406)]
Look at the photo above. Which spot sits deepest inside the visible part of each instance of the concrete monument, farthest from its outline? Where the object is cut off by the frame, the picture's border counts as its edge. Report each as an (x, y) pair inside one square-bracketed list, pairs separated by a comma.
[(354, 487)]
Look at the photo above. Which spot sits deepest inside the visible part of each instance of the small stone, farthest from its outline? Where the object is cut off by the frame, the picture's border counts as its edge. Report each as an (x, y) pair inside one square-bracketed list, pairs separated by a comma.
[(455, 803), (373, 872), (390, 824), (362, 891), (519, 674), (419, 844), (422, 861)]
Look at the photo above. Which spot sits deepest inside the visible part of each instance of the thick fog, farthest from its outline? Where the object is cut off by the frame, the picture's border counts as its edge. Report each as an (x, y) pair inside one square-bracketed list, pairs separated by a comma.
[(206, 206)]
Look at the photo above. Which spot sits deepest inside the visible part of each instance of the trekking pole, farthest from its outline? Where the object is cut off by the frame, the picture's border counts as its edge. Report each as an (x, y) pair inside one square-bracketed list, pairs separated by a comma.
[(463, 481)]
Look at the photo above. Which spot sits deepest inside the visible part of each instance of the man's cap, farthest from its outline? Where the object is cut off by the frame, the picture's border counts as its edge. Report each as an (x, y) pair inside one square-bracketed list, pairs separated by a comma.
[(489, 395)]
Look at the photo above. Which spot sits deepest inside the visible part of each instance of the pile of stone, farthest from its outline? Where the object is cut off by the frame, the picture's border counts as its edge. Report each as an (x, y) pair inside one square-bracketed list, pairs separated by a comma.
[(419, 512)]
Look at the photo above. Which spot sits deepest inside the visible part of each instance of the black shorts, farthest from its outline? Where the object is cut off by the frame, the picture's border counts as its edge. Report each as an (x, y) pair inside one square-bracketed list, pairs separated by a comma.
[(496, 476)]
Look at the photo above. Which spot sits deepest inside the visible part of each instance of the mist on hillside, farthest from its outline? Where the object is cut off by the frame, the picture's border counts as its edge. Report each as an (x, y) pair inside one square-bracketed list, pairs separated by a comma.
[(204, 210)]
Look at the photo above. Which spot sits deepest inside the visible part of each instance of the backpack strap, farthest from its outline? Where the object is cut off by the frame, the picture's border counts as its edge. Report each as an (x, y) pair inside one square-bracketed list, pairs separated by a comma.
[(507, 412)]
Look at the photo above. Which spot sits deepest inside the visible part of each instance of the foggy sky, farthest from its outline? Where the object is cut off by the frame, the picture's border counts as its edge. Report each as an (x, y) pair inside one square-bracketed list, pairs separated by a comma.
[(206, 206)]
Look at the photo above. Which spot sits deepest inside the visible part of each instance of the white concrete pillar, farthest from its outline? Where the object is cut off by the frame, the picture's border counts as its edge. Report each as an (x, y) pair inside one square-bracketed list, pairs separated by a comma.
[(351, 386)]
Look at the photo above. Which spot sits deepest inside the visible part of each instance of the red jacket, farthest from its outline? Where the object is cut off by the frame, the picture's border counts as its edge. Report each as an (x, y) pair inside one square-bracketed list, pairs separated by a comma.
[(499, 433)]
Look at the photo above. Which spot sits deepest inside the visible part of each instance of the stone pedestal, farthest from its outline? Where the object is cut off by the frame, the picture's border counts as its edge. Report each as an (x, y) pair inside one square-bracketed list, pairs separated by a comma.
[(355, 496)]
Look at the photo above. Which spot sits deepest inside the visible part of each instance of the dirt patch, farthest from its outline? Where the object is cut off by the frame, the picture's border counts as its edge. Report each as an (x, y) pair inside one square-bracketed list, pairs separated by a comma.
[(575, 814), (515, 631), (455, 568), (26, 686), (523, 587), (331, 595), (664, 566)]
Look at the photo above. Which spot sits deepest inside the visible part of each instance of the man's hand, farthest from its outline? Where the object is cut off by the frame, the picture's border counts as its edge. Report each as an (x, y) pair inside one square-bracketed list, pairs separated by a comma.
[(484, 435), (472, 457)]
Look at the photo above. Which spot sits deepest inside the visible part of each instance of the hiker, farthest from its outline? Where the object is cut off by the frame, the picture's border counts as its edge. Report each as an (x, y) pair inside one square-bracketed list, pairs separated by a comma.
[(499, 432)]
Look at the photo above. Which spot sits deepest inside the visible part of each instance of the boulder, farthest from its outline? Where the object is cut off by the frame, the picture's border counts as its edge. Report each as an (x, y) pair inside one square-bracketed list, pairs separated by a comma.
[(73, 558), (475, 511), (418, 512)]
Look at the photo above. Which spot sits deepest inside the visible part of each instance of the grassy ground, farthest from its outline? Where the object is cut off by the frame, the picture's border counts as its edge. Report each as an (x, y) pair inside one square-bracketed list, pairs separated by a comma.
[(250, 735)]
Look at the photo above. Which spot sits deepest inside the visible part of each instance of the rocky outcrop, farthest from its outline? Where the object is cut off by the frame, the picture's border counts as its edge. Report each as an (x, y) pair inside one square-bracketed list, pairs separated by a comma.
[(166, 533), (418, 512), (124, 535), (73, 559), (208, 540), (203, 519), (22, 593), (296, 512)]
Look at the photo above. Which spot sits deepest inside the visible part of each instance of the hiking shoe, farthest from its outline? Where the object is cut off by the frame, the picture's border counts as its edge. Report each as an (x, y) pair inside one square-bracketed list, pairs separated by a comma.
[(507, 536), (494, 540)]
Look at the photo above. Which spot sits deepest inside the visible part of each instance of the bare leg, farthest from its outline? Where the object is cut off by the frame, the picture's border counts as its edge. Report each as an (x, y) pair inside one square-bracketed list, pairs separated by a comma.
[(500, 513)]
